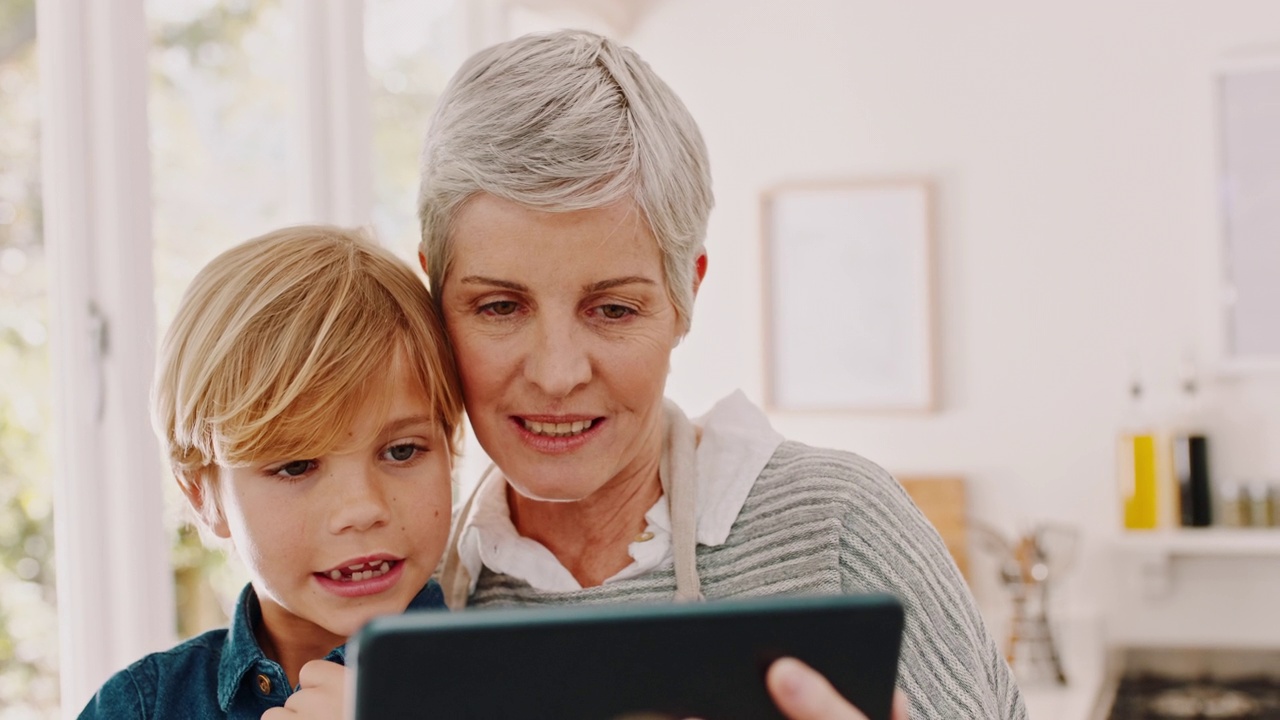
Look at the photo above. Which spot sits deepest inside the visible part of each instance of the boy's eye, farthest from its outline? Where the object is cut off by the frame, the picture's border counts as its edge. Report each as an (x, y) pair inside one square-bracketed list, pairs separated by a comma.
[(401, 453), (501, 307), (294, 469)]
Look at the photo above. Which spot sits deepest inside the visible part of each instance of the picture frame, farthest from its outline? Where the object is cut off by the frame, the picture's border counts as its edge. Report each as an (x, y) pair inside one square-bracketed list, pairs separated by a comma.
[(849, 296)]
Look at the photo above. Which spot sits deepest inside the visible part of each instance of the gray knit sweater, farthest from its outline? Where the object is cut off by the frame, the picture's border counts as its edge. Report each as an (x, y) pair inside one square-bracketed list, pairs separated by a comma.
[(824, 521)]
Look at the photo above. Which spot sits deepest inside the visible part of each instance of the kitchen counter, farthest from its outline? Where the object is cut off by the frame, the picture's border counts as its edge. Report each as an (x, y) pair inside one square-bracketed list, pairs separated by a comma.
[(1084, 659)]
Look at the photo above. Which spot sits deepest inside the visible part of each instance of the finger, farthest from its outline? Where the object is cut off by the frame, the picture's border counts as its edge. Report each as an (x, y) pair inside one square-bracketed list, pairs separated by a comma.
[(803, 694), (317, 673), (899, 705), (278, 713)]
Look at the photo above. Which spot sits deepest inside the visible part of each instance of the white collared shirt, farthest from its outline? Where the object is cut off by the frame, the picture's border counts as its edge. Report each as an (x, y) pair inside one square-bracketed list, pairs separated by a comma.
[(736, 444)]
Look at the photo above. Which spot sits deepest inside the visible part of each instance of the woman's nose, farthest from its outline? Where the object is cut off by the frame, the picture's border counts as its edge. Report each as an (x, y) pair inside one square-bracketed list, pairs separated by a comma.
[(360, 501), (557, 362)]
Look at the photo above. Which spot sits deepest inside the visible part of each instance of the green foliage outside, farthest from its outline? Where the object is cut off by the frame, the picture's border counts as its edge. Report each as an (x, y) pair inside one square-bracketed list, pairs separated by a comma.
[(28, 616)]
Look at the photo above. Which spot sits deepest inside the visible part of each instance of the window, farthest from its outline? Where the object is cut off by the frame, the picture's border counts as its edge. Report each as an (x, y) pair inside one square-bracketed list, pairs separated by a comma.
[(259, 113), (28, 616), (219, 111)]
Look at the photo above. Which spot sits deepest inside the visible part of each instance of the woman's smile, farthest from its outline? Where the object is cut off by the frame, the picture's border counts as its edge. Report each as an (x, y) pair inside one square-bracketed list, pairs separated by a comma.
[(560, 428), (560, 436)]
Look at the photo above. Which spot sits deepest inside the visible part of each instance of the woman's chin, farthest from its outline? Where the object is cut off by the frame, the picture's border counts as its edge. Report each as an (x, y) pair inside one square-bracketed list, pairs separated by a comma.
[(538, 493)]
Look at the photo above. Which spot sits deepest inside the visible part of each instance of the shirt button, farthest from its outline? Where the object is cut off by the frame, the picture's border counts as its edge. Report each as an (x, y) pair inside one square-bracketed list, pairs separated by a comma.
[(264, 684)]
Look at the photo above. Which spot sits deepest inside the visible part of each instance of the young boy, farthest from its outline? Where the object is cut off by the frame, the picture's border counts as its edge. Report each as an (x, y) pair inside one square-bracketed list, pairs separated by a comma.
[(309, 406)]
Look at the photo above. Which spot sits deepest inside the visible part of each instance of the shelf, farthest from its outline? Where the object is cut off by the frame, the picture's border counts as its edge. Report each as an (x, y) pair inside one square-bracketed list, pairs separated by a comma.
[(1204, 542), (1157, 551)]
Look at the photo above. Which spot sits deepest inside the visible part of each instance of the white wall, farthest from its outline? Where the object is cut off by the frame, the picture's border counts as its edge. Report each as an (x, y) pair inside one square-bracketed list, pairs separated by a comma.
[(1073, 153)]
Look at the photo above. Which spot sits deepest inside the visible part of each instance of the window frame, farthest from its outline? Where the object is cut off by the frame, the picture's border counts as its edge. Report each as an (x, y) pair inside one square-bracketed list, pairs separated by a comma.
[(114, 572)]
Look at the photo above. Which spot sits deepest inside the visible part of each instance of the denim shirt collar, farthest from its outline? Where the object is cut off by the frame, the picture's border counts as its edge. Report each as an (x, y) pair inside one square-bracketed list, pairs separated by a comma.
[(241, 653)]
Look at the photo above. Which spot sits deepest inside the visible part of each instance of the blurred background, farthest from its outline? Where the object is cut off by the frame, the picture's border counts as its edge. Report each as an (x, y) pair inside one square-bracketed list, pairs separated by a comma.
[(1081, 217)]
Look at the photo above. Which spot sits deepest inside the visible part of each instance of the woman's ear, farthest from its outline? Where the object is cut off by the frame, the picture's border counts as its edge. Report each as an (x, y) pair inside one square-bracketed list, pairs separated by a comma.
[(699, 270), (203, 498), (422, 260)]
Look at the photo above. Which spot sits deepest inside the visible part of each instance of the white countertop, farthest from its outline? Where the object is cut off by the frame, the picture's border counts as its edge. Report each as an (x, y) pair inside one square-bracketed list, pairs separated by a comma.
[(1084, 663)]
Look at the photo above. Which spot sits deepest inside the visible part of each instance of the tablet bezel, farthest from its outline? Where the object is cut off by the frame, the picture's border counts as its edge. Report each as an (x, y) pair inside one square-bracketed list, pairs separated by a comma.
[(512, 662)]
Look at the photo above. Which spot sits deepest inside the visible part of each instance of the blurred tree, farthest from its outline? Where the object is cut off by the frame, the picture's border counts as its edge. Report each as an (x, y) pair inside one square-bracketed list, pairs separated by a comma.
[(28, 616), (17, 28)]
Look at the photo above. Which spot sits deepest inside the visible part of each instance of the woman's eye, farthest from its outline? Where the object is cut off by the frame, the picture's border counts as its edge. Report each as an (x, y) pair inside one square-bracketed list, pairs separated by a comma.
[(615, 312), (402, 453), (501, 307), (295, 469)]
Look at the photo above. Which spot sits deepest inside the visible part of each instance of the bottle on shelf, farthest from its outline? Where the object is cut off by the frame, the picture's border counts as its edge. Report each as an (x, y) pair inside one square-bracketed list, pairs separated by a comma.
[(1229, 510), (1190, 448), (1274, 492), (1261, 505), (1137, 466)]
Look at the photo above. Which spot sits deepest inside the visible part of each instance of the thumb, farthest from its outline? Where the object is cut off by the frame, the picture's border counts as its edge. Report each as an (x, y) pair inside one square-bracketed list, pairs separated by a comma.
[(801, 693)]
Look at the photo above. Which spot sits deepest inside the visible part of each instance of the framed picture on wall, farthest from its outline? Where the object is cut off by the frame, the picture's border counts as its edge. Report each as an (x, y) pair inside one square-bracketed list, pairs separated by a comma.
[(848, 293)]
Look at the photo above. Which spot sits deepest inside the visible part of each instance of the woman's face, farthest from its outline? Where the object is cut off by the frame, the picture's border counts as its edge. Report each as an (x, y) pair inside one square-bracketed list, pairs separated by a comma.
[(563, 331)]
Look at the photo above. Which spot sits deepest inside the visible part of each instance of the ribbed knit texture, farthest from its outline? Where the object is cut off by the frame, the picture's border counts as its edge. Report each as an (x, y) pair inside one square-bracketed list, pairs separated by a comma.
[(824, 521)]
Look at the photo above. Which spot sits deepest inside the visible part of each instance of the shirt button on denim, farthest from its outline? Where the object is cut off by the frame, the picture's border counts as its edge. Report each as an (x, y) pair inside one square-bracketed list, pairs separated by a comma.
[(264, 684)]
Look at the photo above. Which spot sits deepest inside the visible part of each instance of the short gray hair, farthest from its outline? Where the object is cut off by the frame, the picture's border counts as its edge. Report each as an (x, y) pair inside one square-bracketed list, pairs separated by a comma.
[(565, 121)]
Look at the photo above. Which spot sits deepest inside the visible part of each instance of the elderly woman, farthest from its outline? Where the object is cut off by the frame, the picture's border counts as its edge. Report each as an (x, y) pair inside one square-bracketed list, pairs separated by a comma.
[(564, 202)]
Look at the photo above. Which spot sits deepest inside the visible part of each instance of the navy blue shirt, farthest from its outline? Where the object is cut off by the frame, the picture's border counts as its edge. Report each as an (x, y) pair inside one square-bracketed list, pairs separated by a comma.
[(220, 674)]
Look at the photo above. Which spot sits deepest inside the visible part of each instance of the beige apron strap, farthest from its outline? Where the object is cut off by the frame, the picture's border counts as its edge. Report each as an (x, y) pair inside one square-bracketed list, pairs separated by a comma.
[(454, 578), (678, 473)]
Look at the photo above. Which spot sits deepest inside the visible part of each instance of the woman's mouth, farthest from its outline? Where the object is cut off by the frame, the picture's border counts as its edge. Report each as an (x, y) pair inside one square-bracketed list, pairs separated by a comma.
[(557, 429)]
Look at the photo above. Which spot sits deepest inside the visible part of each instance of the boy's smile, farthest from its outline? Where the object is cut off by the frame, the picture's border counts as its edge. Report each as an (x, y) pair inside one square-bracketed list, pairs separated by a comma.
[(334, 540), (362, 576)]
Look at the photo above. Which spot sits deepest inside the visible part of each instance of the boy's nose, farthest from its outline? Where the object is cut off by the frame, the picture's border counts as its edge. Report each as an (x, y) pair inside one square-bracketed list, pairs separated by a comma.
[(360, 502)]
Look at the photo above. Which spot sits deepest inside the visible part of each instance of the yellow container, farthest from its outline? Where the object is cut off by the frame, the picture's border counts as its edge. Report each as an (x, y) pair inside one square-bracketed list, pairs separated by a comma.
[(1138, 479)]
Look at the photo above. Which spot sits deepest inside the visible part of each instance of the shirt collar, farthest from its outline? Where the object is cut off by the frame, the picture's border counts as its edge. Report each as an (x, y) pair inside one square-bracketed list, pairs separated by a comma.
[(736, 443), (241, 652)]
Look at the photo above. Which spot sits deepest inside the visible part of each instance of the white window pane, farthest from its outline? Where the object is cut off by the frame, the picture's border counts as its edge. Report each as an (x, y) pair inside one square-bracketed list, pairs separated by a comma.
[(412, 48), (219, 107)]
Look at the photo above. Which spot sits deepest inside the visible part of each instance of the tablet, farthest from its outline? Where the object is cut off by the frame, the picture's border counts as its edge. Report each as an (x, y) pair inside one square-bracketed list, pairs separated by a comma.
[(623, 662)]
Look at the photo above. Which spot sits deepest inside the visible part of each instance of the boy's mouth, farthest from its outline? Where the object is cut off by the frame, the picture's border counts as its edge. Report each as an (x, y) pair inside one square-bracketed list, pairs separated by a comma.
[(361, 571)]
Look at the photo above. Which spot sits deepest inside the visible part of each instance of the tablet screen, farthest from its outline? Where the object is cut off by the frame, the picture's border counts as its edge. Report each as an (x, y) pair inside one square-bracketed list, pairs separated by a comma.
[(623, 662)]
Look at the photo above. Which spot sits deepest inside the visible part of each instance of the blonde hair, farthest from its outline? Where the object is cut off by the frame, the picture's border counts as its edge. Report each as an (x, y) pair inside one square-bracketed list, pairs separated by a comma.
[(276, 344), (565, 121)]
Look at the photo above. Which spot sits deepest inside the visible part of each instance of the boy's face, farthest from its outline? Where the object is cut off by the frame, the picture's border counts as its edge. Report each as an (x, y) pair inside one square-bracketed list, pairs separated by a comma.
[(333, 541)]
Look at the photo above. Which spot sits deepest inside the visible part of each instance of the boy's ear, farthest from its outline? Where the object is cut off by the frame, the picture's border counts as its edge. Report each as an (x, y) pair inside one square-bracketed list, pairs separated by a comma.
[(198, 489), (422, 260)]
